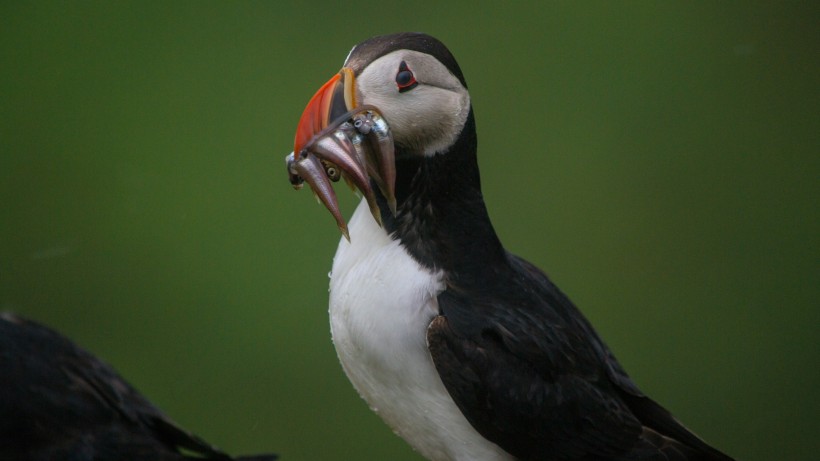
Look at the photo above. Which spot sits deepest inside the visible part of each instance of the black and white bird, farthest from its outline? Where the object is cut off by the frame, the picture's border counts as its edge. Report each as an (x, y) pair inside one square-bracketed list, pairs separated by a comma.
[(466, 351), (60, 402)]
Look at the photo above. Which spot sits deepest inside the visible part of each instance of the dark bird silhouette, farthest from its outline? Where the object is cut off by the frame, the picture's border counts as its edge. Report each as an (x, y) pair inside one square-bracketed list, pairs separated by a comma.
[(464, 349), (60, 402)]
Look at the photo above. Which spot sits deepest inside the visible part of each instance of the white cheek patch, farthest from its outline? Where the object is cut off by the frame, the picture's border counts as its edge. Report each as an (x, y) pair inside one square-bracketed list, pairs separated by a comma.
[(427, 119)]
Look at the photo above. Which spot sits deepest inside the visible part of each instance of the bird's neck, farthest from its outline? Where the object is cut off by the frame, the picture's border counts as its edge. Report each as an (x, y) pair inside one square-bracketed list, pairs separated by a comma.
[(441, 216)]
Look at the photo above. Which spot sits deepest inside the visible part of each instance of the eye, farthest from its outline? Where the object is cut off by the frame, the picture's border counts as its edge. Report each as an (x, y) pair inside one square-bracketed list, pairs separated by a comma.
[(405, 79)]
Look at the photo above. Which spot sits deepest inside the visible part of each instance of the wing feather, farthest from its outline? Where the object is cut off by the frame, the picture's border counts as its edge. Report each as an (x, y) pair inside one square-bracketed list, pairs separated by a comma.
[(531, 374)]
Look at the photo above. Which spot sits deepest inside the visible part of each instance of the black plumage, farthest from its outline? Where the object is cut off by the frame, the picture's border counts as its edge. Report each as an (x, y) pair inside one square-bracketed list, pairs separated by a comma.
[(519, 359), (520, 363), (58, 401)]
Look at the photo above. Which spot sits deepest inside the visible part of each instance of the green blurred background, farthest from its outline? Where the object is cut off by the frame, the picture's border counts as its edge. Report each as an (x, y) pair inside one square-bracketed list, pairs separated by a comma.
[(659, 160)]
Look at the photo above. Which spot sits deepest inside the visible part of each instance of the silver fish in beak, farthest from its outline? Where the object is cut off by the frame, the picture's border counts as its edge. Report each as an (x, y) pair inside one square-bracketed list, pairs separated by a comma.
[(336, 138)]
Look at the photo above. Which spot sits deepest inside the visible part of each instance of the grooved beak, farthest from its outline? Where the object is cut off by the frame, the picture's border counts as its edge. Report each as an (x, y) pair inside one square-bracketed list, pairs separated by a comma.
[(333, 100), (337, 138)]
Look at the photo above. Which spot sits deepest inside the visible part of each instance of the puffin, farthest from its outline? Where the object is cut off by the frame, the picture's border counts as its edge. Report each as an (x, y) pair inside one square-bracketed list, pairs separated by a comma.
[(59, 401), (464, 349)]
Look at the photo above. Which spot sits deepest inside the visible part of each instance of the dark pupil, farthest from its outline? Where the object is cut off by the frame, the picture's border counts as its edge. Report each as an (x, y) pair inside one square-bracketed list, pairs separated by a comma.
[(404, 77)]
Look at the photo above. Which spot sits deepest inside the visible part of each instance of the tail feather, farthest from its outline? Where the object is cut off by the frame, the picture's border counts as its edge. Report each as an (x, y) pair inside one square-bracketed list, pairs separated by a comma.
[(662, 430)]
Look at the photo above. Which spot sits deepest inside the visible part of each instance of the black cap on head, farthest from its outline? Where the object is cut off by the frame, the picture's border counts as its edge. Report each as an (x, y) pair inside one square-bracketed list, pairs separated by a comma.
[(373, 48)]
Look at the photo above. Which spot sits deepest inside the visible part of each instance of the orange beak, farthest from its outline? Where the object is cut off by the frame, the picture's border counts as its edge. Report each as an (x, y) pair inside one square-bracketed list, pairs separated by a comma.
[(337, 138), (333, 100)]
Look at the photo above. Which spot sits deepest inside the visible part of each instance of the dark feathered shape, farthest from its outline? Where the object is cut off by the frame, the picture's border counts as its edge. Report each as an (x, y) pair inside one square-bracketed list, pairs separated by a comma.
[(520, 361), (59, 402), (535, 378), (518, 358)]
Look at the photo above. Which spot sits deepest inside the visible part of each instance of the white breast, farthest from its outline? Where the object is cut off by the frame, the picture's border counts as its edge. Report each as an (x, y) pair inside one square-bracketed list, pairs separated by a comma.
[(381, 302)]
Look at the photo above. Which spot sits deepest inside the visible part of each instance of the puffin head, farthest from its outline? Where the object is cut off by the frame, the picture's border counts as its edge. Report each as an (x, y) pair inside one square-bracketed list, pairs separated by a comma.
[(417, 85), (397, 96)]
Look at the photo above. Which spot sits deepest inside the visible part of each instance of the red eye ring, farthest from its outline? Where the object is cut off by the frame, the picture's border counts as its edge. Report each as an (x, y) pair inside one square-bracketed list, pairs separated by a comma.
[(405, 79)]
